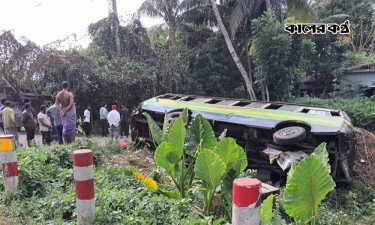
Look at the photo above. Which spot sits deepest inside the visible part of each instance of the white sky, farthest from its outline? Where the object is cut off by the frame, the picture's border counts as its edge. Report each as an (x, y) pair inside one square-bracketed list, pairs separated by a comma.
[(44, 21)]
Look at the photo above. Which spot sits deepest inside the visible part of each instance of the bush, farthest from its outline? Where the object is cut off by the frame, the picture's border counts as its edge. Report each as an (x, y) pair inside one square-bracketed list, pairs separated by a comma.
[(359, 109), (46, 192)]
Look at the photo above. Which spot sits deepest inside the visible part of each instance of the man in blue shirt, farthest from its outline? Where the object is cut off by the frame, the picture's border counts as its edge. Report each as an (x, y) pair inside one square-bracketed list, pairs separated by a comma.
[(1, 108), (25, 101), (54, 113), (103, 119)]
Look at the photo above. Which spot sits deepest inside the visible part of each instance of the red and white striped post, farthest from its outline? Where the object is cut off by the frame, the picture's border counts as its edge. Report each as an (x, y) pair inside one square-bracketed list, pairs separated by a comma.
[(9, 162), (84, 182), (246, 201)]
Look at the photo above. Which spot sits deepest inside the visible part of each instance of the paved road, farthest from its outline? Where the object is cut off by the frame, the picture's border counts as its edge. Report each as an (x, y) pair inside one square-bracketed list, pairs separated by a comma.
[(38, 138)]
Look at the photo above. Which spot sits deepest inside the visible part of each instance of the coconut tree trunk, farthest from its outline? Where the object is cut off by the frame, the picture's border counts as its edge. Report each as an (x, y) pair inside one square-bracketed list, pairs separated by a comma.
[(268, 5), (249, 68), (267, 94), (263, 93), (116, 23), (248, 83), (172, 35)]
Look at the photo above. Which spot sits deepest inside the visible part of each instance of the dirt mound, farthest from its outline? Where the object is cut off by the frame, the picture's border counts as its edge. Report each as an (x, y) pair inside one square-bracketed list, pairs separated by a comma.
[(364, 167)]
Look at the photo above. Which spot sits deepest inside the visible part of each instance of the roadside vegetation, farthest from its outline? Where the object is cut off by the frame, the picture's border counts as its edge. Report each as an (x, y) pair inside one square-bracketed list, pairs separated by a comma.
[(188, 55), (131, 188), (360, 109), (188, 178)]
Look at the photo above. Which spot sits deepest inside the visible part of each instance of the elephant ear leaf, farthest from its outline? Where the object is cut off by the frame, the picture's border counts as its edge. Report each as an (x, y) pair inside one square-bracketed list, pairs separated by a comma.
[(231, 153), (154, 128), (208, 137), (307, 185), (185, 115), (322, 155), (242, 158), (266, 210), (176, 141), (194, 135), (161, 158), (209, 168), (227, 150)]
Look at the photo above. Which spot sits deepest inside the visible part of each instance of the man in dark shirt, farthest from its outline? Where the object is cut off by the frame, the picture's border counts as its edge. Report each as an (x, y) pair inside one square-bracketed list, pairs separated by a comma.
[(124, 121), (2, 106), (28, 122)]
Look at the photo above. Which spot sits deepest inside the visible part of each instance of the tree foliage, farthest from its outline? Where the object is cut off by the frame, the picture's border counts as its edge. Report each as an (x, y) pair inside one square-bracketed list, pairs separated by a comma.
[(307, 185), (199, 62), (277, 56)]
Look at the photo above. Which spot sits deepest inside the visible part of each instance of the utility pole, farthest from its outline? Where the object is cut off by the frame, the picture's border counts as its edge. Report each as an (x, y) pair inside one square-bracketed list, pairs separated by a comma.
[(116, 26)]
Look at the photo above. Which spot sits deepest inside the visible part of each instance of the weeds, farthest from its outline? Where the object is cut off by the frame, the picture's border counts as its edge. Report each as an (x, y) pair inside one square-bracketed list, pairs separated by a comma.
[(46, 192)]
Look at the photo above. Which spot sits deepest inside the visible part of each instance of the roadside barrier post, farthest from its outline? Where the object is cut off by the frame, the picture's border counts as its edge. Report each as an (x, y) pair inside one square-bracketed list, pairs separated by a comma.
[(9, 162), (246, 201), (84, 182)]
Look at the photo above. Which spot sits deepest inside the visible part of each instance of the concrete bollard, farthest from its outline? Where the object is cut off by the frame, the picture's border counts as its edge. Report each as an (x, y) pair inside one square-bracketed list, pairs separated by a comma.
[(246, 201), (84, 182), (9, 162)]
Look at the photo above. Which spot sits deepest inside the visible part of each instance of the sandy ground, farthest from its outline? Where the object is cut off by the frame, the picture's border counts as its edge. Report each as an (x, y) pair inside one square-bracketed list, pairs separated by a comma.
[(38, 138)]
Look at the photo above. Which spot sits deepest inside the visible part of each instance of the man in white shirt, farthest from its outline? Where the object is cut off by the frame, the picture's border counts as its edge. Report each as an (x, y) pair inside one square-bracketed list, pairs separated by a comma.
[(114, 122), (45, 125), (87, 121)]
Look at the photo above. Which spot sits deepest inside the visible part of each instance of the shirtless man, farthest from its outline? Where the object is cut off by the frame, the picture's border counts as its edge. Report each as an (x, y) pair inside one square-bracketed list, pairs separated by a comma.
[(68, 112)]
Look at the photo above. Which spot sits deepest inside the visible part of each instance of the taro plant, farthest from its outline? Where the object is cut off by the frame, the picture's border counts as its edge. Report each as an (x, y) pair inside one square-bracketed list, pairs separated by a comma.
[(266, 210), (186, 150), (269, 216), (218, 167), (307, 185), (178, 144)]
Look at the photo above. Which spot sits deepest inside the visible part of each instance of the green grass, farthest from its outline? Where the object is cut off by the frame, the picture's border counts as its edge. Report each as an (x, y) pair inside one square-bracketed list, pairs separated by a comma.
[(46, 191), (46, 194)]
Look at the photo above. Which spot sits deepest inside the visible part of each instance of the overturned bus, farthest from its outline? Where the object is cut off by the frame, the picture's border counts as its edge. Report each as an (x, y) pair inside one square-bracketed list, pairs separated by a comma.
[(273, 134)]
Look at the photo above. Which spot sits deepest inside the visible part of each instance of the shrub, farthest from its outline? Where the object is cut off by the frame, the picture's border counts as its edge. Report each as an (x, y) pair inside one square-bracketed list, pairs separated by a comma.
[(46, 191), (359, 109)]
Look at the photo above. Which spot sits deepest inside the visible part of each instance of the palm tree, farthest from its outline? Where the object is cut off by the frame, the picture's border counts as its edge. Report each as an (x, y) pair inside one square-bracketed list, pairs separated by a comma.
[(117, 27), (248, 83), (169, 10), (298, 8), (166, 9)]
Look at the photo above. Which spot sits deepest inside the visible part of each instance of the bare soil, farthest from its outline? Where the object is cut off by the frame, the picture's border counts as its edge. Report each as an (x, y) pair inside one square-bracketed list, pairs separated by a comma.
[(142, 160), (364, 167)]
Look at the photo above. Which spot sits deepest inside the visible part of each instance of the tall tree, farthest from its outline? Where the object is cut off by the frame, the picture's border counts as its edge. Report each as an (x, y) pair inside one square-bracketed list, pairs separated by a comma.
[(15, 61), (361, 15), (166, 9), (246, 10), (117, 27), (248, 83), (279, 57)]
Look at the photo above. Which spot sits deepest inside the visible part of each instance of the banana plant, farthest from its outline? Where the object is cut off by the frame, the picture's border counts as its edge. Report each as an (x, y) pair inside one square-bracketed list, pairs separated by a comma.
[(307, 185)]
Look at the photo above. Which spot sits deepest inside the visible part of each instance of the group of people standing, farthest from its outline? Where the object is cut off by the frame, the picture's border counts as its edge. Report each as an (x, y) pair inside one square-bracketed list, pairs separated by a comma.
[(116, 121), (55, 121), (58, 121), (51, 118), (8, 119)]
